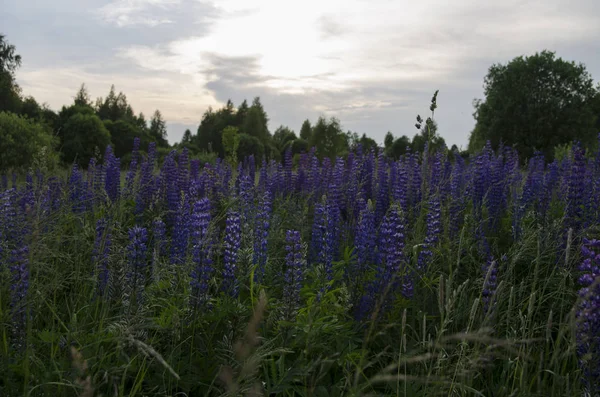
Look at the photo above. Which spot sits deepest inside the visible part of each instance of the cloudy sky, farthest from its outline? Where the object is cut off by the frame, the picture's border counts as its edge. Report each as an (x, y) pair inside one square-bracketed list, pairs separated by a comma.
[(374, 64)]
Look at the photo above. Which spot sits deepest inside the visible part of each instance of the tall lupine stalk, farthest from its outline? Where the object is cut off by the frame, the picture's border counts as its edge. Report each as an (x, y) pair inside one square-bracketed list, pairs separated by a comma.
[(133, 167), (76, 190), (102, 243), (112, 169), (4, 182), (137, 264), (575, 193), (230, 257), (365, 243), (457, 196), (183, 170), (392, 270), (202, 253), (382, 202), (401, 187), (432, 233), (263, 221), (146, 186), (294, 273), (588, 317), (170, 188)]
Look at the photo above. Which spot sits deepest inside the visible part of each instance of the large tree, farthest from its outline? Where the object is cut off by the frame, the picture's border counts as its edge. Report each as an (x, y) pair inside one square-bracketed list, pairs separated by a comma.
[(536, 103), (158, 129), (10, 92)]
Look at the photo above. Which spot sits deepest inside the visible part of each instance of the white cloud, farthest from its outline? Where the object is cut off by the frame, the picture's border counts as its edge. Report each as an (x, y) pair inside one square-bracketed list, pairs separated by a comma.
[(135, 12)]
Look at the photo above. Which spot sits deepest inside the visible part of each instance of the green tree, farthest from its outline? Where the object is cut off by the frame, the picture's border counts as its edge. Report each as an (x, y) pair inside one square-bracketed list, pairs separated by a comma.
[(114, 107), (388, 140), (256, 120), (122, 135), (283, 138), (536, 103), (306, 130), (240, 115), (249, 145), (399, 147), (158, 129), (22, 139), (187, 137), (10, 92), (328, 138), (83, 134), (82, 98), (230, 143)]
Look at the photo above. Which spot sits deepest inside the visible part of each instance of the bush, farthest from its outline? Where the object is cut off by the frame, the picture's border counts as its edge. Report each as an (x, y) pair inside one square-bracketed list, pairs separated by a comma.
[(22, 140)]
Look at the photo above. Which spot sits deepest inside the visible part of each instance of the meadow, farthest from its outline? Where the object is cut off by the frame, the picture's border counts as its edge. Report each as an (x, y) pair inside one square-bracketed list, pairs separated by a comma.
[(431, 275)]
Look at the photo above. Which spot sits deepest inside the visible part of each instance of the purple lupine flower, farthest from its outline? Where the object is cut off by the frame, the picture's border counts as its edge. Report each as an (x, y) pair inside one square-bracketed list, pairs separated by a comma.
[(14, 180), (365, 244), (112, 169), (496, 200), (146, 188), (392, 270), (391, 241), (575, 193), (201, 252), (102, 243), (194, 169), (400, 187), (550, 181), (4, 182), (136, 271), (99, 177), (432, 234), (588, 317), (183, 170), (260, 238), (246, 196), (170, 187), (133, 166), (231, 247), (294, 271), (180, 238), (481, 178), (415, 182), (490, 274), (317, 234), (76, 189), (288, 182), (457, 184), (18, 287), (383, 199)]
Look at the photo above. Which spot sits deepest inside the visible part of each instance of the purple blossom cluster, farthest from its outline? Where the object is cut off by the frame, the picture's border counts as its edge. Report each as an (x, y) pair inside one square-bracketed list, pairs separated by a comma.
[(588, 316)]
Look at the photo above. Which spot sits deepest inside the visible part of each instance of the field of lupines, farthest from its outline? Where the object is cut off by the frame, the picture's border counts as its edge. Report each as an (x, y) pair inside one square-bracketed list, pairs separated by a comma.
[(431, 275)]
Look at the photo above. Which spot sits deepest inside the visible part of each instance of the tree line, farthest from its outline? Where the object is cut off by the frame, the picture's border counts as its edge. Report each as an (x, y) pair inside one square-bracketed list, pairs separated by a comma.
[(538, 103)]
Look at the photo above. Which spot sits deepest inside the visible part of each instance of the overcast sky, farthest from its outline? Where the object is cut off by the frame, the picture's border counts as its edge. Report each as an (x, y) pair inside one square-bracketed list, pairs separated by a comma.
[(374, 64)]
